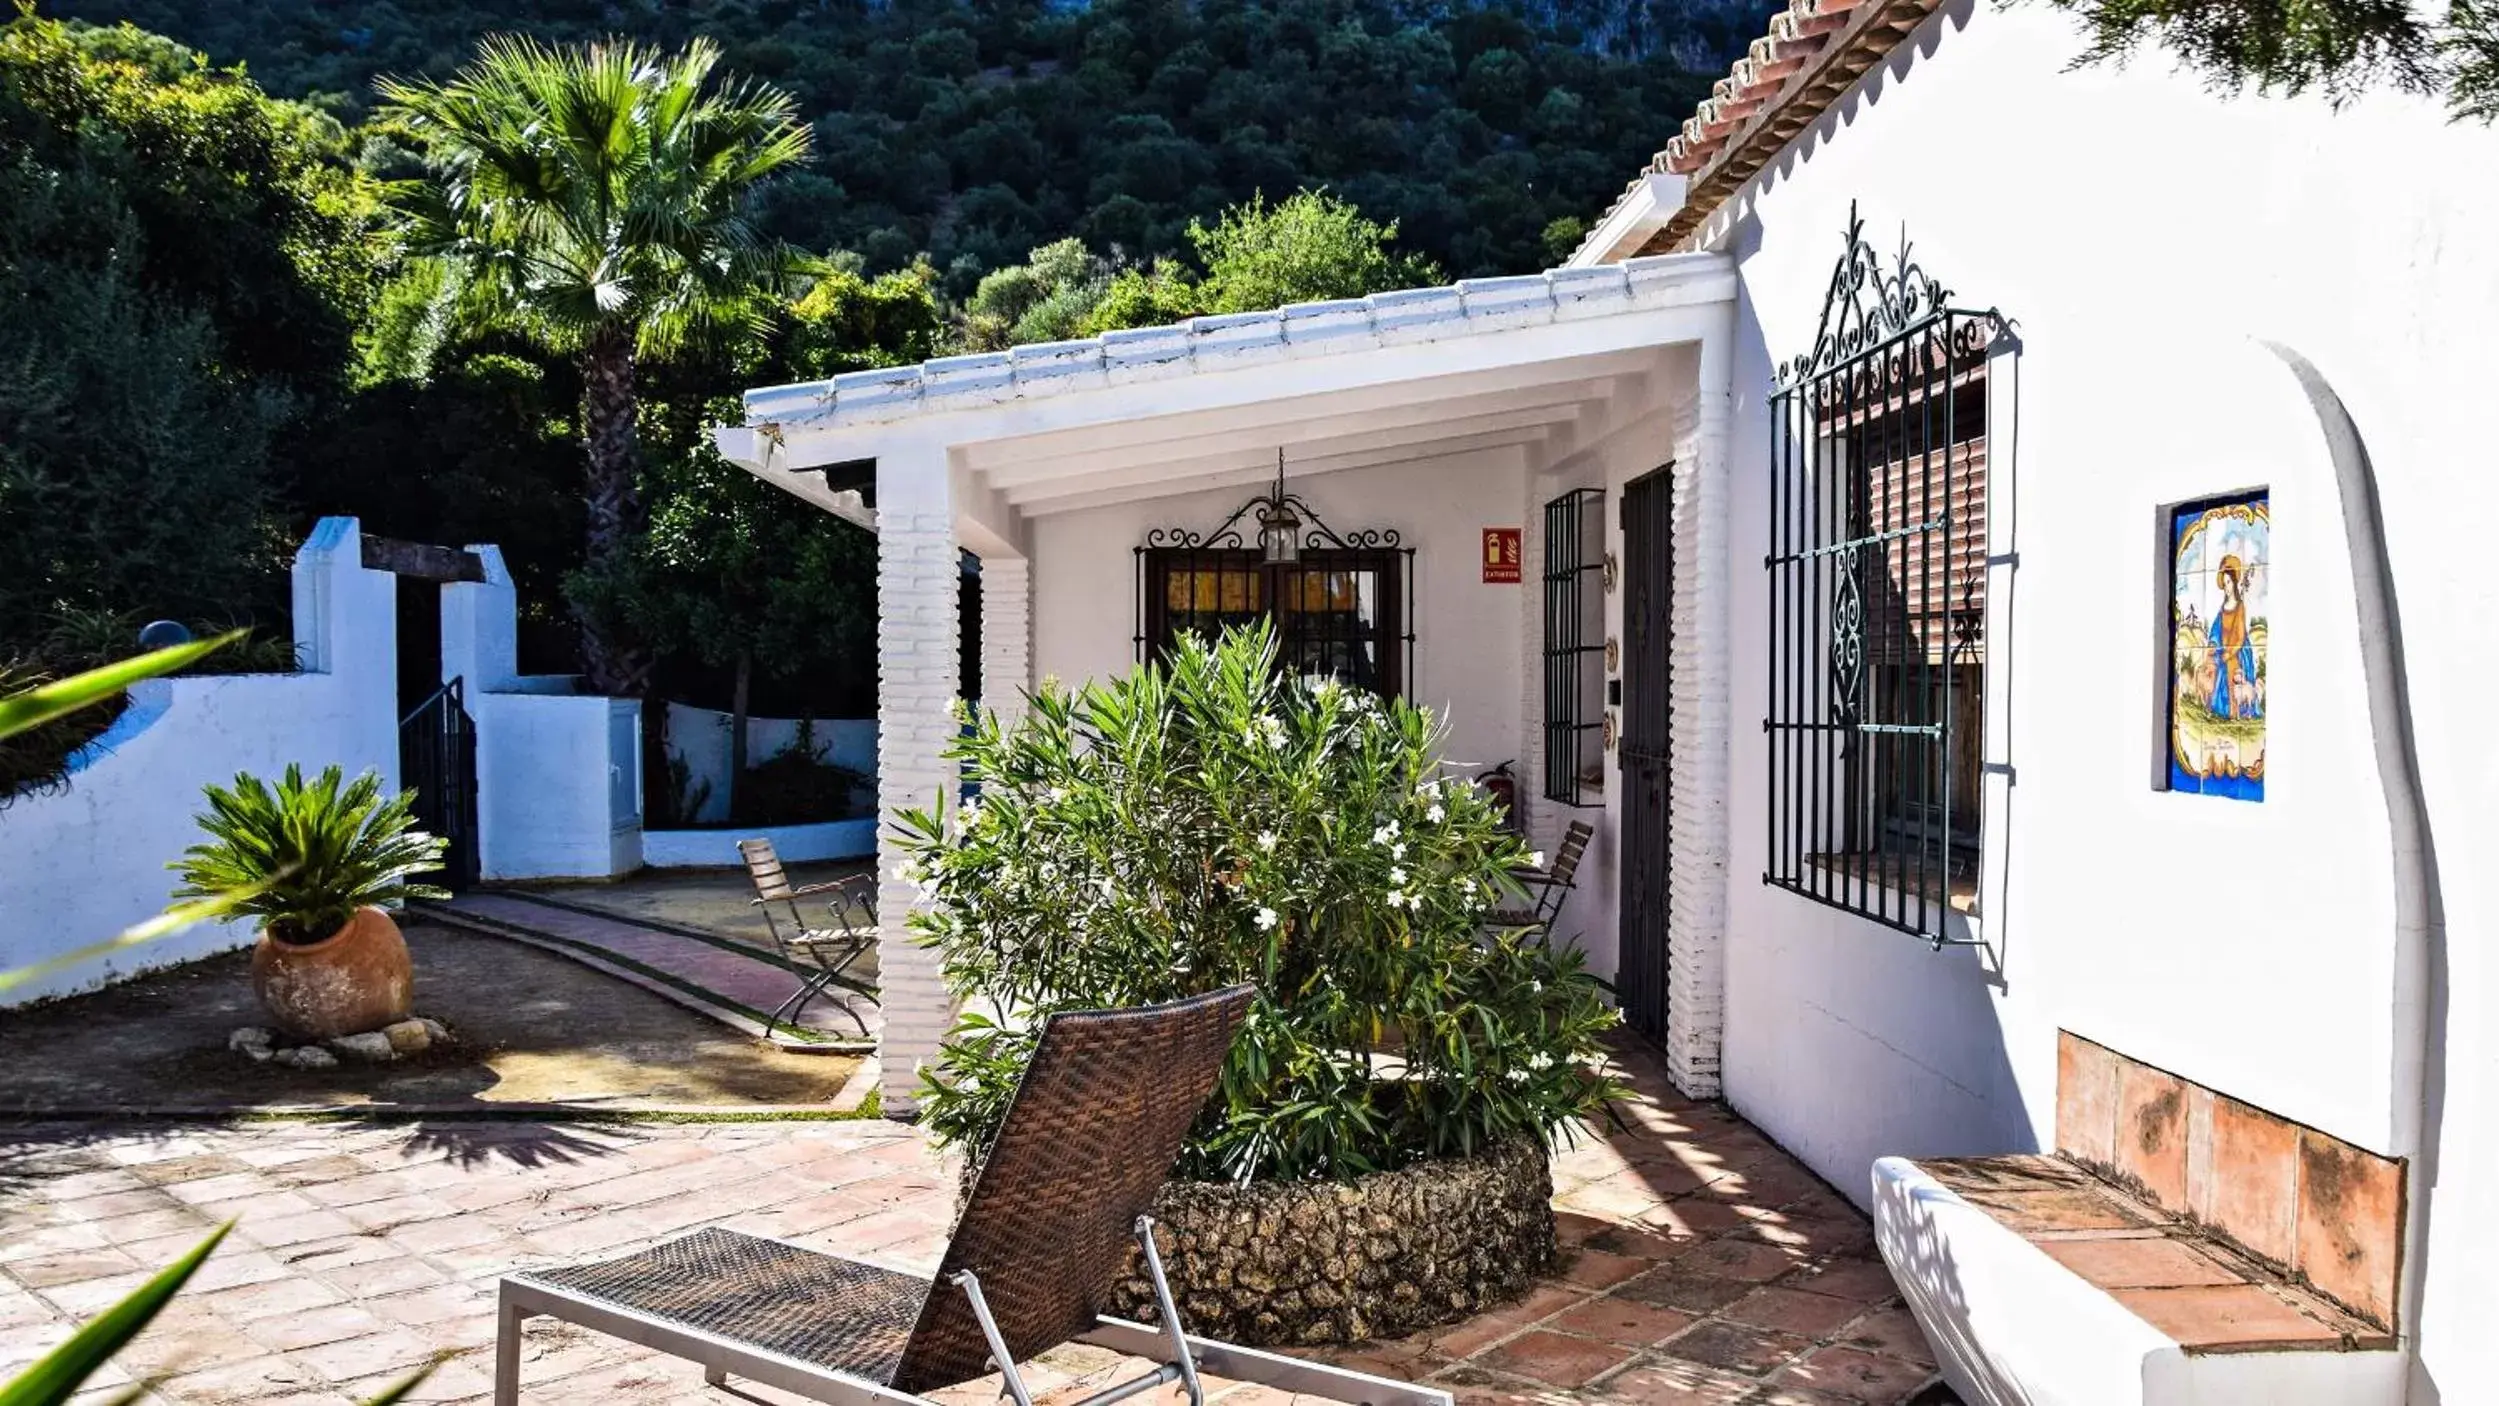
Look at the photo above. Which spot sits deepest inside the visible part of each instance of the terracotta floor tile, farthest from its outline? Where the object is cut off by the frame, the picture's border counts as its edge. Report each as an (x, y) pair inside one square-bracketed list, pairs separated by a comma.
[(1736, 1258), (1595, 1269), (1626, 1321), (1736, 1347), (2027, 1212), (1866, 1281), (1464, 1340), (2139, 1263), (1670, 1287), (1674, 1383), (1852, 1375), (1635, 1242), (1554, 1358), (1695, 1217), (1473, 1386), (1793, 1311), (1542, 1301), (1891, 1331), (2233, 1315)]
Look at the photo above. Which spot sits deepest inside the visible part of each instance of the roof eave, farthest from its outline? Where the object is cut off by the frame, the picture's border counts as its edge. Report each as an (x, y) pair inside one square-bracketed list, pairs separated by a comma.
[(1644, 209)]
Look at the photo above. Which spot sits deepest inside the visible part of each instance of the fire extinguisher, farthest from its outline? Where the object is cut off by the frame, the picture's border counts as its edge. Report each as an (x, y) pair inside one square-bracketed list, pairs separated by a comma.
[(1502, 783)]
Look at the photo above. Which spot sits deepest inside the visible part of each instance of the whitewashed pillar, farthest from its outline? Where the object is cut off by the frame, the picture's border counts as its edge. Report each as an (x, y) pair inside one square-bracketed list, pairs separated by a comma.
[(1006, 634), (1697, 926), (919, 576)]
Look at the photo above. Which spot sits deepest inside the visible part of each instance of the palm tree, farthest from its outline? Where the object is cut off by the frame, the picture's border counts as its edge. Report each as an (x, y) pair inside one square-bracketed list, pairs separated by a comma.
[(598, 199)]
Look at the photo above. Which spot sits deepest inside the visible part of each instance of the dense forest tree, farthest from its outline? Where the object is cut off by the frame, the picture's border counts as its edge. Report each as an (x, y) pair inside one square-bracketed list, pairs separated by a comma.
[(183, 264), (975, 131)]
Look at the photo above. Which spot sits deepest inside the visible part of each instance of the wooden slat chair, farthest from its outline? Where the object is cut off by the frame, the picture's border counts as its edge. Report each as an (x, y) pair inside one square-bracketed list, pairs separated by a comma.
[(1102, 1110), (820, 954), (1547, 888)]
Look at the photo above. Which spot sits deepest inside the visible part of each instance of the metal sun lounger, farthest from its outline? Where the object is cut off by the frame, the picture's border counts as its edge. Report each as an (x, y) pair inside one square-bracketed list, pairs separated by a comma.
[(1096, 1123)]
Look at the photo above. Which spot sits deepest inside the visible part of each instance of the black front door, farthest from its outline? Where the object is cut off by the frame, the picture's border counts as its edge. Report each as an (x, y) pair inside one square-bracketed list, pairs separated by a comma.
[(1646, 747)]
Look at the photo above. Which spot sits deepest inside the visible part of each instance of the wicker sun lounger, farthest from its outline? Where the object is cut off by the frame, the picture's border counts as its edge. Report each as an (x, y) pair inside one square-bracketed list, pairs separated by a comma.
[(1100, 1115)]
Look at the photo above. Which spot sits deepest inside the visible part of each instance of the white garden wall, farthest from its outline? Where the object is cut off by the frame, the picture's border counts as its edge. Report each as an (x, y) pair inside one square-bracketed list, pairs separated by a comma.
[(559, 774), (2141, 231), (701, 737), (81, 863)]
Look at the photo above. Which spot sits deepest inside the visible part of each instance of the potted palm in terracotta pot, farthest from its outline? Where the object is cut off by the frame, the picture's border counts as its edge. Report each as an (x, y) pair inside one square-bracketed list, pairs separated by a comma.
[(314, 861)]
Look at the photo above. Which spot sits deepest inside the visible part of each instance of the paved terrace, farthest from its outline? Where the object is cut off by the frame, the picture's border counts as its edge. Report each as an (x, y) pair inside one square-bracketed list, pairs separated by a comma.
[(1701, 1265)]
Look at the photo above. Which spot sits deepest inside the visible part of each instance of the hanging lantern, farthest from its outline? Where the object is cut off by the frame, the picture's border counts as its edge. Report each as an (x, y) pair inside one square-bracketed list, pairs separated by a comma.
[(1279, 527)]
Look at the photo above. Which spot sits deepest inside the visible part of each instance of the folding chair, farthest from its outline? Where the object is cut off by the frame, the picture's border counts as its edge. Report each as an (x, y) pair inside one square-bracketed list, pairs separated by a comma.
[(1550, 886), (1100, 1114), (819, 954)]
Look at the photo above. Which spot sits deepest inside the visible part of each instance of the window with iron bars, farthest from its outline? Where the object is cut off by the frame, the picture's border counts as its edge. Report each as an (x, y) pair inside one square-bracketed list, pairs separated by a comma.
[(1877, 563), (1574, 648)]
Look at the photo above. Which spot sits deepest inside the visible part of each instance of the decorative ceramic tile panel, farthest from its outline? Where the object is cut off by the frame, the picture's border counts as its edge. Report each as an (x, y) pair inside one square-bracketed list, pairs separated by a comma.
[(2220, 563)]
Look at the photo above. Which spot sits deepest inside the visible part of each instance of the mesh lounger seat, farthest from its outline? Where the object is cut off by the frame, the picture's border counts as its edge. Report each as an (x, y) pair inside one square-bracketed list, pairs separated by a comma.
[(1101, 1113)]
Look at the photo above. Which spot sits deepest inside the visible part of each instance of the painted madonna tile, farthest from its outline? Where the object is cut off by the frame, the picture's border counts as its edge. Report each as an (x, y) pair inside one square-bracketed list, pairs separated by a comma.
[(2219, 566)]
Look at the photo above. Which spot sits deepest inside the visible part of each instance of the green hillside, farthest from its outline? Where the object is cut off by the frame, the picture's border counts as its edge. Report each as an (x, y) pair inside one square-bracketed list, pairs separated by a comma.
[(975, 132)]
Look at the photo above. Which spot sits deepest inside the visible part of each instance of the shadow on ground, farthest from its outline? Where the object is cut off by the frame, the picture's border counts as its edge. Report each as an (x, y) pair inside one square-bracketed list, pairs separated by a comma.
[(532, 1028)]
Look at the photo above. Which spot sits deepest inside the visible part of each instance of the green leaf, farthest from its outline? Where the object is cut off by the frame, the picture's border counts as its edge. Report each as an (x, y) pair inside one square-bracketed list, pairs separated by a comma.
[(61, 1372), (37, 706), (172, 920)]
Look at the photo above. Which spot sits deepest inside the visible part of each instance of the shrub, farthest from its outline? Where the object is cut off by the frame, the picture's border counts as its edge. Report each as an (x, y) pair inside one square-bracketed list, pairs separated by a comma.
[(309, 853), (798, 785), (1209, 822)]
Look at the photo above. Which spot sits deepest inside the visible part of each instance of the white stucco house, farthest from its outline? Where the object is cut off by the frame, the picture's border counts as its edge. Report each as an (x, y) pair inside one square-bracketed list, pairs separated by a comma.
[(1903, 625)]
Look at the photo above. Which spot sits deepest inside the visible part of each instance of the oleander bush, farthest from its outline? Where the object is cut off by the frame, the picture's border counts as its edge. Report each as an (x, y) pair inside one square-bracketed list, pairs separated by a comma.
[(1209, 821)]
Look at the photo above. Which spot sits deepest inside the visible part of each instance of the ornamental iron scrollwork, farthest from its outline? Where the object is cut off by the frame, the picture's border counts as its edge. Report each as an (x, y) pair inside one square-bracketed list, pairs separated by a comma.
[(1874, 299), (1876, 599), (1313, 533)]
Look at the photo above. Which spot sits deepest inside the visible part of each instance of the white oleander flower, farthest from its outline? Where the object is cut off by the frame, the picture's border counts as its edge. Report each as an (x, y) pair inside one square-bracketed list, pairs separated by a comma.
[(1436, 814), (1267, 841), (1266, 919), (1385, 835), (1536, 860), (1397, 876), (1397, 850)]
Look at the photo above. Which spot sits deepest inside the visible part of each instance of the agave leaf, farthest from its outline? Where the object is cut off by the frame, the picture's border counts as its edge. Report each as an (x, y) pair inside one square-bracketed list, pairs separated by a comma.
[(61, 1372), (172, 920), (37, 706)]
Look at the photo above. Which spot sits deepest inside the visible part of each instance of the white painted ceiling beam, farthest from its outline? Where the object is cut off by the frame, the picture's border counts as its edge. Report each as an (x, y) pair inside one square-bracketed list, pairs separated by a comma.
[(1263, 456), (1512, 443), (1016, 461)]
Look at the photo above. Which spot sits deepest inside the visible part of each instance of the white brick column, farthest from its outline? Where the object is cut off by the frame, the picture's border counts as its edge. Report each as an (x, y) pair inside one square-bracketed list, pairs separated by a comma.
[(1006, 634), (919, 580), (1697, 925)]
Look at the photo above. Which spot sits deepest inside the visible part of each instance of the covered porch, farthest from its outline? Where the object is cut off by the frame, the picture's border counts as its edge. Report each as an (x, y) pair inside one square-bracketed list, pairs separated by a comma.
[(1343, 469)]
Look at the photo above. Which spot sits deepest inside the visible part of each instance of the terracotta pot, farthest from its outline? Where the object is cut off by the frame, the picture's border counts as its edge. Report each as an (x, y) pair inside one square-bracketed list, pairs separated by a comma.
[(354, 980)]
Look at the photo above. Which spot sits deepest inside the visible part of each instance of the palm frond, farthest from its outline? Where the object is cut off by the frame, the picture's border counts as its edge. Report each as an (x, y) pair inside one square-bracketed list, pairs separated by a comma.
[(600, 186)]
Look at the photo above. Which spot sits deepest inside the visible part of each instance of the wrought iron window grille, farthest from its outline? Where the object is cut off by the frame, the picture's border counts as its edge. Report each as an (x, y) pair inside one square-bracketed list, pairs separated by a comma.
[(1342, 603), (1575, 662), (1877, 560)]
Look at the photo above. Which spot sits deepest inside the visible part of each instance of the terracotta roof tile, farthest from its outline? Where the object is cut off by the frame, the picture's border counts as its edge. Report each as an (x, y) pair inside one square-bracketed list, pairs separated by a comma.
[(1813, 51)]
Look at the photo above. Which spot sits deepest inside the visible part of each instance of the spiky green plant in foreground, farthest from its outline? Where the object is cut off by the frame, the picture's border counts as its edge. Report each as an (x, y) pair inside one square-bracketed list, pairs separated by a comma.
[(313, 851), (62, 1373)]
